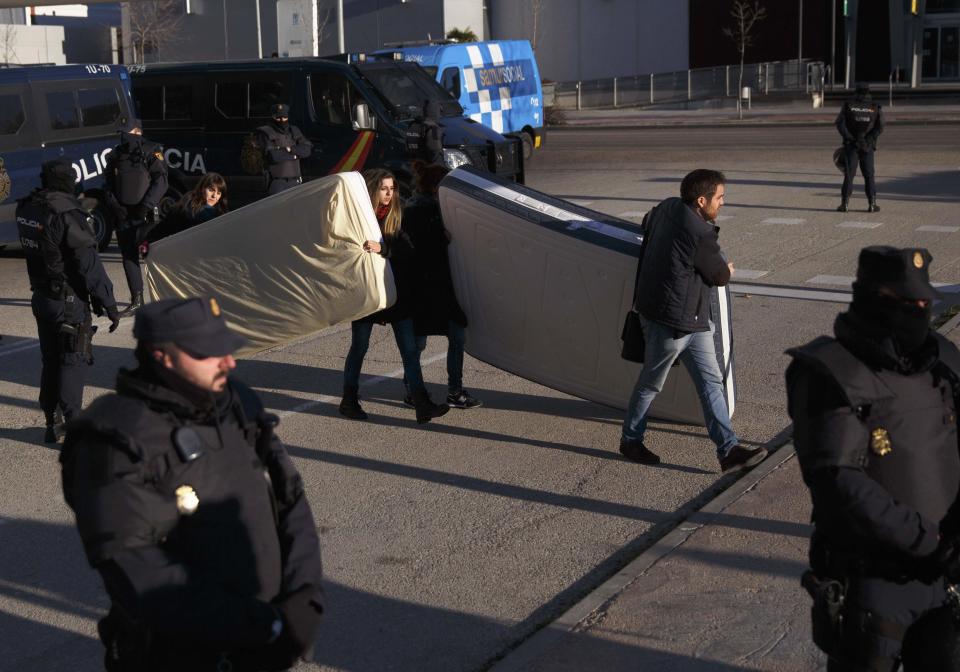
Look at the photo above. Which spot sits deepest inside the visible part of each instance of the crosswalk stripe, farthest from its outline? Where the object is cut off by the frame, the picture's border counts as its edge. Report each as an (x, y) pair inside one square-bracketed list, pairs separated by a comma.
[(748, 274), (860, 225), (841, 280), (783, 220), (938, 229), (632, 213)]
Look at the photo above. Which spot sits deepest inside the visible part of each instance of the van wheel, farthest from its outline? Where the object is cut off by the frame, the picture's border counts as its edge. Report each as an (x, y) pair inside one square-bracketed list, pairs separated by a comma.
[(527, 141), (102, 225)]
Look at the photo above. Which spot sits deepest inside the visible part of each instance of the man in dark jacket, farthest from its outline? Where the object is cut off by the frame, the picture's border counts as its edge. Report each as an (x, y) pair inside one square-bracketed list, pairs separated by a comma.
[(680, 261), (283, 146), (875, 427), (136, 177), (190, 508), (66, 278), (859, 123)]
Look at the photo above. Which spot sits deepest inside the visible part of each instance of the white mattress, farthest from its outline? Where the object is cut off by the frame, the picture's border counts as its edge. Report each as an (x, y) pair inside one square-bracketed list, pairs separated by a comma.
[(282, 267), (546, 284)]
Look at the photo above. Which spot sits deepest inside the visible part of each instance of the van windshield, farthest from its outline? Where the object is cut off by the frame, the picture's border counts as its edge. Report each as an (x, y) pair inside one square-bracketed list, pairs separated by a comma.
[(406, 87)]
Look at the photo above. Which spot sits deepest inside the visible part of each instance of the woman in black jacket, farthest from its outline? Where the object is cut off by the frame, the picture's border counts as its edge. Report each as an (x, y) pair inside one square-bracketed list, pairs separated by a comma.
[(397, 248), (435, 309)]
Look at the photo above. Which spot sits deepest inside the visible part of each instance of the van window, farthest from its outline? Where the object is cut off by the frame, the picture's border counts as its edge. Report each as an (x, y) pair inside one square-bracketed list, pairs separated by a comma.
[(231, 99), (451, 81), (149, 100), (11, 113), (333, 98), (177, 101), (62, 110), (264, 95), (99, 107)]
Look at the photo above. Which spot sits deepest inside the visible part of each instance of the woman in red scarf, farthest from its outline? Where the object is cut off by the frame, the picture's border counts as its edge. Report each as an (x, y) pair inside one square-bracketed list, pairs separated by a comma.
[(397, 248)]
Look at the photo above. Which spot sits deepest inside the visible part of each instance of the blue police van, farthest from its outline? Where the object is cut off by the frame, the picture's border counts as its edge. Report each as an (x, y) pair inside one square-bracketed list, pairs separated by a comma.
[(496, 82), (64, 111)]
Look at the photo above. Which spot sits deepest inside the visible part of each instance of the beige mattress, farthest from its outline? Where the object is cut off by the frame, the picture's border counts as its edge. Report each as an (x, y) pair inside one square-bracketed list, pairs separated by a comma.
[(283, 267)]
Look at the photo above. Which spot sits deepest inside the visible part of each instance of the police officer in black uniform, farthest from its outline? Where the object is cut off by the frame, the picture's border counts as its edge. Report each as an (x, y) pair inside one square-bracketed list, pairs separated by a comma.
[(860, 123), (66, 278), (283, 146), (190, 508), (136, 176), (875, 429)]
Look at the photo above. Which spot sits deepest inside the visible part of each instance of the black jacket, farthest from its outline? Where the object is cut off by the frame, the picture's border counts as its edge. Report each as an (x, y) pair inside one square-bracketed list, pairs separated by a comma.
[(860, 122), (274, 139), (194, 581), (398, 249), (434, 301), (680, 260), (135, 165)]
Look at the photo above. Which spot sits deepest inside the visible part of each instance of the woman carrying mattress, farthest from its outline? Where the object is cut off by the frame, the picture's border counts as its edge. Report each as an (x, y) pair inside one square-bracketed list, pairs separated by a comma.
[(396, 247)]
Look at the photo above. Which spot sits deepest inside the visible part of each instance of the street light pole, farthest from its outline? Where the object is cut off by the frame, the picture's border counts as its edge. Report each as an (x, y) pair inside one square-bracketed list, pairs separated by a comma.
[(226, 39), (259, 37), (833, 43), (341, 43), (800, 44)]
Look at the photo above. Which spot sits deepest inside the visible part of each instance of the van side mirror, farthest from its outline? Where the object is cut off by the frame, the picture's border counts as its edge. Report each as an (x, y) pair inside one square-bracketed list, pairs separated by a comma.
[(362, 119)]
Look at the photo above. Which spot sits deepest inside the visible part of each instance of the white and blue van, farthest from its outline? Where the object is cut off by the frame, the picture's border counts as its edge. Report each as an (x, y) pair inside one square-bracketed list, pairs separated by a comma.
[(497, 83)]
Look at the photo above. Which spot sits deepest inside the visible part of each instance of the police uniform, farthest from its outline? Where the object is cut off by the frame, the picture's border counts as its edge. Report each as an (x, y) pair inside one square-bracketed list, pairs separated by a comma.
[(860, 123), (136, 176), (192, 512), (66, 277), (875, 429), (283, 146)]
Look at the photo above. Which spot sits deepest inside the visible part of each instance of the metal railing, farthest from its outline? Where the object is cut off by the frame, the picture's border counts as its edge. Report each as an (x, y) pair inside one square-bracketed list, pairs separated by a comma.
[(685, 85)]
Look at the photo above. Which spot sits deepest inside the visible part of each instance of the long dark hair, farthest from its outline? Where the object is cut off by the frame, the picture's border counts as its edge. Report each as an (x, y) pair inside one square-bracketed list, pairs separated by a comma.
[(197, 198)]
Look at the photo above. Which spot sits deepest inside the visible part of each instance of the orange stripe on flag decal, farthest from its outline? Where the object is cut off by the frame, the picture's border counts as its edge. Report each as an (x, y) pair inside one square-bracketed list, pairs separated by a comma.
[(356, 154)]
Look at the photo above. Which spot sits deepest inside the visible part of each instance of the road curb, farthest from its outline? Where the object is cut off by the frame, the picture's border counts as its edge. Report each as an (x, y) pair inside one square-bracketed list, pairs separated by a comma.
[(596, 601), (674, 124)]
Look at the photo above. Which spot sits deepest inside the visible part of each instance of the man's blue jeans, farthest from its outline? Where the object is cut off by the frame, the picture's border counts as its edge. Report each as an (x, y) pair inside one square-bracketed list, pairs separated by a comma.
[(698, 354), (406, 343), (456, 341)]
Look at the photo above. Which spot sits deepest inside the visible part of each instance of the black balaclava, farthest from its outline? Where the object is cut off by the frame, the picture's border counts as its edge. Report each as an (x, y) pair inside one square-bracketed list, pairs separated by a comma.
[(907, 323), (58, 175), (281, 125)]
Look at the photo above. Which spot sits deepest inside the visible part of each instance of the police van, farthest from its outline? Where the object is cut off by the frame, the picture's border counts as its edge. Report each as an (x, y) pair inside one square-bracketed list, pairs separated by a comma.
[(65, 111), (357, 115), (496, 82)]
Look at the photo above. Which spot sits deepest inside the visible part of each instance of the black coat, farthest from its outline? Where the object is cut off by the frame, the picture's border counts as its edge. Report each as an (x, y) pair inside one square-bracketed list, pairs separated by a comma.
[(434, 301), (399, 251), (680, 260)]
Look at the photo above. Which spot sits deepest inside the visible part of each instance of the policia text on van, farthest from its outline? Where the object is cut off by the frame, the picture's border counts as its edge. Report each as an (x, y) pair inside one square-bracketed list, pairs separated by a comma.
[(357, 115)]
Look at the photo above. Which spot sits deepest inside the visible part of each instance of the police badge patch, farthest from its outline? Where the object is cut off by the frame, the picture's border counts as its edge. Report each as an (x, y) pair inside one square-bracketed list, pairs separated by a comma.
[(880, 442), (5, 183)]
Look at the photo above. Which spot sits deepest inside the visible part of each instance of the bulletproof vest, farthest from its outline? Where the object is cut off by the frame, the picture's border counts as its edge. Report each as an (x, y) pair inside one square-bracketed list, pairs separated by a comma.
[(216, 508), (131, 176), (906, 436), (38, 213), (860, 116), (276, 138)]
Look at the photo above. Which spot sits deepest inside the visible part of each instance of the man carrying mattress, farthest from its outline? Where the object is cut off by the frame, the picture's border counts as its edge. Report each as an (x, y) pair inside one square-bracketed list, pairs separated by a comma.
[(680, 260)]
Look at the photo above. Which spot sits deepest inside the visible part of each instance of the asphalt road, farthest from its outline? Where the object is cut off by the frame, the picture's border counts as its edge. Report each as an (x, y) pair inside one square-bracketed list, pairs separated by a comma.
[(447, 544)]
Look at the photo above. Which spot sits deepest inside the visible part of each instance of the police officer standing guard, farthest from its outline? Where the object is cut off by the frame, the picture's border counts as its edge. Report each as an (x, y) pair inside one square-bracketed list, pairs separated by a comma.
[(136, 176), (875, 429), (66, 278), (860, 122), (283, 146), (190, 508)]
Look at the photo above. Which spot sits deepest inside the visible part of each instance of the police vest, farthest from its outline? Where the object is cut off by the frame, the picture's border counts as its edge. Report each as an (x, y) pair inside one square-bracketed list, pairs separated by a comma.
[(41, 212), (288, 167), (131, 175), (903, 429), (860, 117)]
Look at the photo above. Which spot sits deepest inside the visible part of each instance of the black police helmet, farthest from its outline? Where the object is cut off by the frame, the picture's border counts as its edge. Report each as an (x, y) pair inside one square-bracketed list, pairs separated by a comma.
[(904, 272), (194, 325), (58, 175)]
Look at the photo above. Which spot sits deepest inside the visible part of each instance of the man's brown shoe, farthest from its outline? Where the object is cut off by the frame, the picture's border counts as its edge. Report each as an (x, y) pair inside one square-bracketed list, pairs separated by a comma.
[(741, 457), (635, 451)]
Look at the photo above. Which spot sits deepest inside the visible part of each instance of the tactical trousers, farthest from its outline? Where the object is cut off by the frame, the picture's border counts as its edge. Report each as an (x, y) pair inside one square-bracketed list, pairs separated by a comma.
[(278, 184), (851, 156), (129, 241), (63, 371)]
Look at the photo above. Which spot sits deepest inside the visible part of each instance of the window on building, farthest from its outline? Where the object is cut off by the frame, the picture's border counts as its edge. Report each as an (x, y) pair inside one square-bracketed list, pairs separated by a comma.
[(178, 101), (333, 99), (231, 99), (62, 110), (149, 102), (450, 80), (11, 113), (264, 95), (99, 107)]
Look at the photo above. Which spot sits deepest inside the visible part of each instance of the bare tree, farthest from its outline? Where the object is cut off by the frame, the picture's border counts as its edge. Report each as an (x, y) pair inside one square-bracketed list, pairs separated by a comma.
[(323, 22), (746, 16), (8, 43), (536, 11), (154, 24)]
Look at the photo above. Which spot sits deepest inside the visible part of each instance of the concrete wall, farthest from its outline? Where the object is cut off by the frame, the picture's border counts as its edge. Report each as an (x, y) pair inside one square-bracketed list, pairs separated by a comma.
[(588, 39), (25, 45)]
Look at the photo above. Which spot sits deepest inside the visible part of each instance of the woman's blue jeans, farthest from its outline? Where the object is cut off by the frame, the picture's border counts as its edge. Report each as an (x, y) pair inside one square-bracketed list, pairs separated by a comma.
[(456, 341), (406, 343)]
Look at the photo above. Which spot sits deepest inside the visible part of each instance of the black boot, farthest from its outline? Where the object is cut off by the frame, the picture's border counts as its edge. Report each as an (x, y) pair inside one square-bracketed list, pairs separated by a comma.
[(843, 206), (136, 301), (350, 404), (426, 409), (873, 207), (54, 431)]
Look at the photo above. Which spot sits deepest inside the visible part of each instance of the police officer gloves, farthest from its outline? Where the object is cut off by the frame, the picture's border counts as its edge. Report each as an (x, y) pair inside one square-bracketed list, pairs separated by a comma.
[(114, 316), (301, 618)]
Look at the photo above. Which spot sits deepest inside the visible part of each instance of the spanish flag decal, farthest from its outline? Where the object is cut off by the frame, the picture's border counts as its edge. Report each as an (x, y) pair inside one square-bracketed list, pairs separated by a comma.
[(356, 156)]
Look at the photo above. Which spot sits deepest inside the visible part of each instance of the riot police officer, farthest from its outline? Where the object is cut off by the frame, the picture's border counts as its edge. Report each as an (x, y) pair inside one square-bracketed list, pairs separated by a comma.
[(875, 429), (136, 176), (190, 508), (860, 123), (283, 146), (66, 278)]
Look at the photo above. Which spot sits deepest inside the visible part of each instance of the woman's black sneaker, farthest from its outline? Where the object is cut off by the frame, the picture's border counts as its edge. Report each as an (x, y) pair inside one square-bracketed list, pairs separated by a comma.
[(741, 457), (635, 451), (463, 400)]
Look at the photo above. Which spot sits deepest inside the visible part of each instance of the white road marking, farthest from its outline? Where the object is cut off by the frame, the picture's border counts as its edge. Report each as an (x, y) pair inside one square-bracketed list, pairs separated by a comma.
[(748, 273), (721, 218), (842, 280), (632, 213), (19, 347), (860, 225), (790, 221), (938, 229)]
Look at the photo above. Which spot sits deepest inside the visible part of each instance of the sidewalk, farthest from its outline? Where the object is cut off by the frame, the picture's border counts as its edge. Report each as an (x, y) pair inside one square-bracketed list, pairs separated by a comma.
[(781, 114)]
